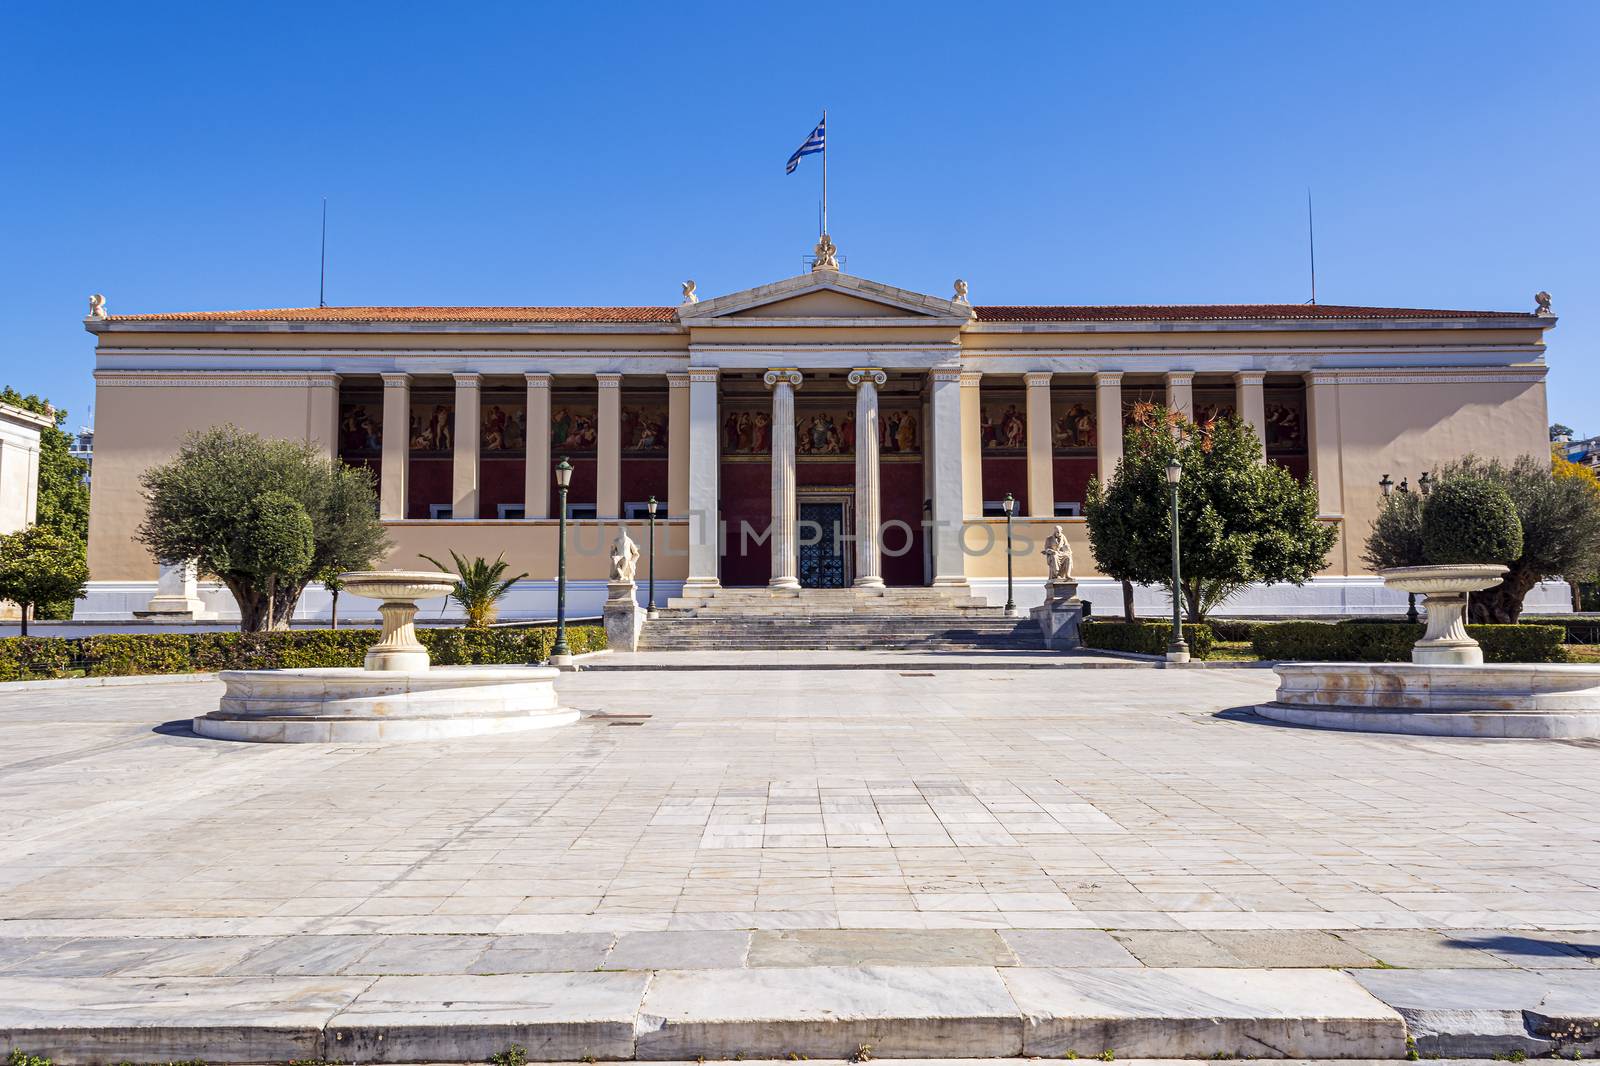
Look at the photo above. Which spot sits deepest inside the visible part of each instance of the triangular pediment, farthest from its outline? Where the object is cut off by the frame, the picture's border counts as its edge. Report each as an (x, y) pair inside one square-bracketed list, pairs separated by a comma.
[(825, 296)]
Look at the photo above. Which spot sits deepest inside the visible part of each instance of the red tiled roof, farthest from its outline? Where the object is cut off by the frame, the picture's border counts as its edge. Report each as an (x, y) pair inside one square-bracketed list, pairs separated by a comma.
[(1216, 312), (416, 314)]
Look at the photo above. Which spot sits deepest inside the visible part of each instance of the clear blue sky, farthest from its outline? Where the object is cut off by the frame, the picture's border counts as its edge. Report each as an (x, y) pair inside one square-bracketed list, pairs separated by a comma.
[(174, 157)]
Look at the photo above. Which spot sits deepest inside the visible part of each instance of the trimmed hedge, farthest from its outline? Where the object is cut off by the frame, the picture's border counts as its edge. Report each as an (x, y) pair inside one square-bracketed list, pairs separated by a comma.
[(1146, 638), (124, 654), (1234, 629), (1391, 642)]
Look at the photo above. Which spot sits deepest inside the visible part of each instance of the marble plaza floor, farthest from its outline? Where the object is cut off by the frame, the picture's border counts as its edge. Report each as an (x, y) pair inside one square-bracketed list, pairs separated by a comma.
[(769, 833)]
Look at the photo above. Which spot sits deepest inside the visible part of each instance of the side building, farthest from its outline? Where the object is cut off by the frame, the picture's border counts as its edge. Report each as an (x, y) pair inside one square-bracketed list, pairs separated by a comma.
[(804, 410)]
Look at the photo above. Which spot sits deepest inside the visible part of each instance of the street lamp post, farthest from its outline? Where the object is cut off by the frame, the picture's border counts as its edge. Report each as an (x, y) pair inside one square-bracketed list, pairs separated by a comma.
[(560, 654), (1178, 649), (1009, 504), (650, 598)]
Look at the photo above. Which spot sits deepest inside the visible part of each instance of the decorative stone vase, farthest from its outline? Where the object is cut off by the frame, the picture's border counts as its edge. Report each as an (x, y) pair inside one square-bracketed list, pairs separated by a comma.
[(398, 592), (1445, 589)]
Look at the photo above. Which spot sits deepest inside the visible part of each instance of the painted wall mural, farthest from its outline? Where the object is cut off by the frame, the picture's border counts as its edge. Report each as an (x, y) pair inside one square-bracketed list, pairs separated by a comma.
[(1073, 430), (505, 428), (574, 428), (1211, 407), (644, 429), (821, 433), (361, 429), (433, 428), (1003, 427), (1286, 421)]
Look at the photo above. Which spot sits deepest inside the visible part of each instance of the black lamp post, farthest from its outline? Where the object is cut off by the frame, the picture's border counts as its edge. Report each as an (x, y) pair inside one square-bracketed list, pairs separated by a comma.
[(1178, 649), (1009, 504), (650, 598), (560, 654)]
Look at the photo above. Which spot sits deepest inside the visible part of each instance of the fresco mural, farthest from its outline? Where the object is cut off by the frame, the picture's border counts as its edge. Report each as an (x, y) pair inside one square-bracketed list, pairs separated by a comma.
[(1286, 421), (504, 429), (821, 433), (1211, 407), (574, 429), (433, 428), (1003, 427), (1073, 429), (361, 429), (644, 429)]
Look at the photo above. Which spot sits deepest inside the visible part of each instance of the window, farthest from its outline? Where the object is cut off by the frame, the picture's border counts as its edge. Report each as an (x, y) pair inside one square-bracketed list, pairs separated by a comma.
[(440, 510), (581, 510), (639, 510), (994, 509), (513, 510), (1069, 510)]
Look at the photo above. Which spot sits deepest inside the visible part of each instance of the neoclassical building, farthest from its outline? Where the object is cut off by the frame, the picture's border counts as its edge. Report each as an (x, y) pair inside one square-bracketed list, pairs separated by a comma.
[(777, 426)]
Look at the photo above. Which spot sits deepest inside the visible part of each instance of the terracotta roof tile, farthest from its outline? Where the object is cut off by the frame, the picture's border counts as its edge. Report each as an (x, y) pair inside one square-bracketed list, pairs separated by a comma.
[(1215, 312), (416, 314)]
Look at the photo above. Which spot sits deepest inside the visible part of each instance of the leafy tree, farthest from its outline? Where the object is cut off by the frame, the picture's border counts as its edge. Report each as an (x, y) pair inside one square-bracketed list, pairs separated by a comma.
[(334, 584), (480, 585), (277, 546), (203, 506), (1396, 536), (1560, 519), (63, 492), (39, 565), (1470, 520), (1242, 521), (1559, 430), (1561, 467)]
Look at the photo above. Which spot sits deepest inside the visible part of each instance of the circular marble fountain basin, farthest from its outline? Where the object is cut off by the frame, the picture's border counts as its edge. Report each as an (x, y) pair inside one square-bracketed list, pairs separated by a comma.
[(343, 706)]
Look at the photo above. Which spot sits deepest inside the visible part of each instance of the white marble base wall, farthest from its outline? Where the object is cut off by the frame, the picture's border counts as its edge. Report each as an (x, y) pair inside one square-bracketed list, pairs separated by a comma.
[(1319, 597)]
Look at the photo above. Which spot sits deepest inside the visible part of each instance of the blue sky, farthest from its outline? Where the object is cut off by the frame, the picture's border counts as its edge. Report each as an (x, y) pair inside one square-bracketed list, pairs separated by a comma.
[(174, 157)]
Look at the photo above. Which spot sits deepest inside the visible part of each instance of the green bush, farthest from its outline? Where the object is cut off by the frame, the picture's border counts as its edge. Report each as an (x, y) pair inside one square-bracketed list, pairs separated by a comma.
[(1391, 642), (132, 654), (1147, 638), (1234, 629), (1470, 520)]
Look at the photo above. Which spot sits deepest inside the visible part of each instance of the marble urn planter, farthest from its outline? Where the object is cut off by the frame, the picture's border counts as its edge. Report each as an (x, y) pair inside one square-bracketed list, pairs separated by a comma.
[(398, 592), (1445, 590)]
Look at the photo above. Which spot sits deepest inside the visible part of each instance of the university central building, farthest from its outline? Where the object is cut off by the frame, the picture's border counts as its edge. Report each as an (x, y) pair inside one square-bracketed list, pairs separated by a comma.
[(778, 425)]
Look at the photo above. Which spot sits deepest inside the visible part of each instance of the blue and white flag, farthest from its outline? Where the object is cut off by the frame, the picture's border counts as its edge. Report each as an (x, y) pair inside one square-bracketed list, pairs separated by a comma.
[(816, 142)]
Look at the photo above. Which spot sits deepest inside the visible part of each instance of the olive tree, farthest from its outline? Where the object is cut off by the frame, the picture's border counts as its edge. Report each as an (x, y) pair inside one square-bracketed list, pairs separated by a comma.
[(1241, 521), (223, 502), (39, 565)]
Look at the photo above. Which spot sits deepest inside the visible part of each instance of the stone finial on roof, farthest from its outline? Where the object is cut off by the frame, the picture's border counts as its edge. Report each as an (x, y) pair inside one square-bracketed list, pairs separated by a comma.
[(689, 295), (827, 254), (97, 306), (961, 292), (1542, 299)]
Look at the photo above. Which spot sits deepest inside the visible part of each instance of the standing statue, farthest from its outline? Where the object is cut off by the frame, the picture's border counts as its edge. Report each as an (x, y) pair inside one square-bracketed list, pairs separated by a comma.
[(1058, 557), (827, 255), (1543, 300), (689, 296), (624, 557), (961, 292), (97, 306)]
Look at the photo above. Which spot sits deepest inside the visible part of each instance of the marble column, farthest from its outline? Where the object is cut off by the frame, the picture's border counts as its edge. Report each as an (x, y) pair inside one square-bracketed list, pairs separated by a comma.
[(1322, 443), (677, 501), (943, 454), (608, 447), (869, 511), (1250, 403), (971, 444), (705, 525), (396, 463), (1108, 422), (466, 434), (784, 563), (536, 476), (1041, 449), (1180, 392)]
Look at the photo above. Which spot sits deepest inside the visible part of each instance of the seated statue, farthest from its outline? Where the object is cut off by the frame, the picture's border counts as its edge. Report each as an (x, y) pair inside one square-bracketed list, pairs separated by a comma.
[(1058, 557), (624, 557)]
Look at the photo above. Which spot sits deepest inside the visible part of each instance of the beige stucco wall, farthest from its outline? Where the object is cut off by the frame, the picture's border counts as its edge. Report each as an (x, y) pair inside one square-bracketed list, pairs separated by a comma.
[(140, 426)]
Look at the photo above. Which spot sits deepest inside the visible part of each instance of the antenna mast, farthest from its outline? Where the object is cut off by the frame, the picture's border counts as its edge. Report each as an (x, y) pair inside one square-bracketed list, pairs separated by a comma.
[(1311, 237), (322, 276)]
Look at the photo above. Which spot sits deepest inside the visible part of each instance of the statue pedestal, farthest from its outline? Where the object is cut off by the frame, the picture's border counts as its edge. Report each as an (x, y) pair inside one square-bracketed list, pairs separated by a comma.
[(1060, 615), (623, 616), (177, 597)]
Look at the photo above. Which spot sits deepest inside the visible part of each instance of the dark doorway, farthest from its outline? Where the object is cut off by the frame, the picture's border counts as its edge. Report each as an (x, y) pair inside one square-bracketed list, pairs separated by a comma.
[(820, 545)]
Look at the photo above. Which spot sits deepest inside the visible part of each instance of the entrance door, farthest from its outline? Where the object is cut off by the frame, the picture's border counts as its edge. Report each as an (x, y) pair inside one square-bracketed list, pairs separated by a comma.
[(822, 564)]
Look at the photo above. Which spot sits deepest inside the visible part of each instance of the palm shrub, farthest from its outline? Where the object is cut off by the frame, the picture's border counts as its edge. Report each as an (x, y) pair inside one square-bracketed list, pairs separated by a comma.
[(479, 586), (1470, 520)]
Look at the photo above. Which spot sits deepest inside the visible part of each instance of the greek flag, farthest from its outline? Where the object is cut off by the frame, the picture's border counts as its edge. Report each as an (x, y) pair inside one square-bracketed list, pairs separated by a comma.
[(816, 142)]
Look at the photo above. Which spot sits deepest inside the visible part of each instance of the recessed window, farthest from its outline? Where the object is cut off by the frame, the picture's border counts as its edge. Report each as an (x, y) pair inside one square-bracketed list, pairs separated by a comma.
[(1069, 510), (581, 510), (441, 510), (513, 511)]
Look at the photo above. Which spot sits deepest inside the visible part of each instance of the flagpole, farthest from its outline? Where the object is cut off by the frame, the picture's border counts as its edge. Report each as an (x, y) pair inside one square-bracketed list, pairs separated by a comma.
[(824, 170)]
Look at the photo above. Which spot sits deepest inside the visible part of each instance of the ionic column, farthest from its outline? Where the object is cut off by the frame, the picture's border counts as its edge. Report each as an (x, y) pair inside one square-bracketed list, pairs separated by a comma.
[(536, 477), (869, 555), (677, 444), (1180, 392), (943, 457), (1041, 452), (705, 543), (1322, 443), (396, 462), (784, 564), (608, 448), (1250, 401), (971, 444), (1107, 423), (468, 430)]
